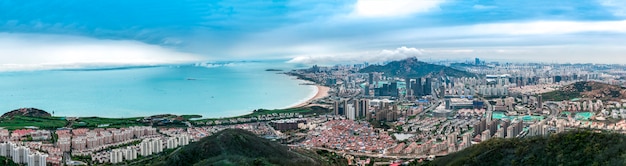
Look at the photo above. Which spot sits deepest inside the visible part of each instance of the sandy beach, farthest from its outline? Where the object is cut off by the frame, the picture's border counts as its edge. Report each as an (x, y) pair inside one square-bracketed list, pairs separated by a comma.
[(322, 91)]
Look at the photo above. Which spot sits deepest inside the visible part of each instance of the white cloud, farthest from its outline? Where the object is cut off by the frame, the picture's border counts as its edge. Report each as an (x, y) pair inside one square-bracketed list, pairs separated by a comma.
[(392, 8), (378, 56), (550, 27), (483, 7), (514, 31), (37, 51), (618, 7)]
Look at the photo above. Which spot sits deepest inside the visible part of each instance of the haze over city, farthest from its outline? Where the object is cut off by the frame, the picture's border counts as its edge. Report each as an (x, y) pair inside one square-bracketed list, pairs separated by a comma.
[(312, 31)]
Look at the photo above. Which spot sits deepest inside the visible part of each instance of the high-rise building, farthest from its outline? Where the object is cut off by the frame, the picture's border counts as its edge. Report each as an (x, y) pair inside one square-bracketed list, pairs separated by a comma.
[(366, 90), (504, 126), (493, 127), (37, 159), (336, 108), (116, 156), (351, 112), (467, 138), (452, 138), (539, 101), (19, 154), (5, 148), (428, 89), (483, 124), (381, 114), (485, 135), (499, 133), (407, 87), (364, 108), (393, 89), (442, 91), (345, 108), (357, 109), (417, 87), (510, 132)]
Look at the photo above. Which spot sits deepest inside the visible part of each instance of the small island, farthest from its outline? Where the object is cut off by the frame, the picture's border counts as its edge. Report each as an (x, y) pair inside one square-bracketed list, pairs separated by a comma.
[(273, 70)]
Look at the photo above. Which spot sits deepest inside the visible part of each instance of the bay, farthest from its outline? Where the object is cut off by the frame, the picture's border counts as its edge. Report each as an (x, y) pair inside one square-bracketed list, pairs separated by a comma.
[(210, 90)]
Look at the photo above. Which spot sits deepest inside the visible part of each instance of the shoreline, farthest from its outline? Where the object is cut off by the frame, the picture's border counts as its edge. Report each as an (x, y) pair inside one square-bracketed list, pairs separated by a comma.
[(322, 92)]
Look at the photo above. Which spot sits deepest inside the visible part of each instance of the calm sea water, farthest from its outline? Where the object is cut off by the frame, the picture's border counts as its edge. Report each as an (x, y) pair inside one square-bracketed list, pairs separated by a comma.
[(217, 91)]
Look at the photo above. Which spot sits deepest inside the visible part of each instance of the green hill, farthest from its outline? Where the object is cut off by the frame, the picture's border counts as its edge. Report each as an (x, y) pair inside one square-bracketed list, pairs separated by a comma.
[(587, 89), (411, 67), (32, 112), (580, 147), (237, 147)]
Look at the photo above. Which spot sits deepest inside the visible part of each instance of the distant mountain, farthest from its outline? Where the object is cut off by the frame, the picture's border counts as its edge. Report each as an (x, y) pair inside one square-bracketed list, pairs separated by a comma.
[(237, 147), (581, 147), (33, 112), (587, 89), (411, 67)]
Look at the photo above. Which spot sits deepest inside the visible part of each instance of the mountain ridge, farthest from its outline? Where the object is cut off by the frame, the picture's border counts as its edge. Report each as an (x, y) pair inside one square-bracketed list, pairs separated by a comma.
[(412, 67), (587, 89)]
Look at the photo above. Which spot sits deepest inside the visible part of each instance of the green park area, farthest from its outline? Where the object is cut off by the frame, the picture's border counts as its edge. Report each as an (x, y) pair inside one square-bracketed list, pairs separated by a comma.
[(18, 122), (94, 122)]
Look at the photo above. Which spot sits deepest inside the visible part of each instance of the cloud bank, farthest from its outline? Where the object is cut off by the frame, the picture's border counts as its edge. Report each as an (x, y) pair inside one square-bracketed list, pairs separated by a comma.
[(392, 8), (38, 51), (372, 57)]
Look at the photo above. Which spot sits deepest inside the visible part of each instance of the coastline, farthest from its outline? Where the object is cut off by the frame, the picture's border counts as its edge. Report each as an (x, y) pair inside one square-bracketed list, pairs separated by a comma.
[(322, 92)]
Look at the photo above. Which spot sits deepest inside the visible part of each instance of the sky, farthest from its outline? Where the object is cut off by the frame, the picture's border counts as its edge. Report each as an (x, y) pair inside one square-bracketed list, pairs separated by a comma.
[(61, 33)]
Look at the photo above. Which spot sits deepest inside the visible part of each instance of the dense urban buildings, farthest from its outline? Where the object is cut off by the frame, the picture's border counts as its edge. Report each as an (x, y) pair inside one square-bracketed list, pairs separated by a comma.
[(369, 114)]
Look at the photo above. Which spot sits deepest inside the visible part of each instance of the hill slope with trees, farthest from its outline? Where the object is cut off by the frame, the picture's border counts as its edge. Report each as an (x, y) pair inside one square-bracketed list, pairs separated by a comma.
[(580, 147), (237, 147), (587, 89)]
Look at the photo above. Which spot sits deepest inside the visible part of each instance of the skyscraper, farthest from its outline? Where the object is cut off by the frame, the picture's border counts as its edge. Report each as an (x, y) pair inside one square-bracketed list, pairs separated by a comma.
[(393, 89), (407, 84), (442, 91), (345, 108), (357, 109), (336, 108), (418, 88), (366, 90), (428, 86), (539, 101), (364, 108)]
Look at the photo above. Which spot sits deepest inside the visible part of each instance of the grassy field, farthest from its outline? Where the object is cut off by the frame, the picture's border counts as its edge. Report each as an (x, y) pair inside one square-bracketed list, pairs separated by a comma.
[(256, 113), (93, 122), (18, 122)]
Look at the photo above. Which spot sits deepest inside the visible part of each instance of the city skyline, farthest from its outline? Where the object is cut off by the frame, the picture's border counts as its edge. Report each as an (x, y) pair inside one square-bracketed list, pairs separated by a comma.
[(142, 32)]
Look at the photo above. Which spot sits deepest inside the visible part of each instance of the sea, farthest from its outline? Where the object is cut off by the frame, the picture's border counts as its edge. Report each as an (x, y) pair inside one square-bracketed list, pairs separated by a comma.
[(213, 90)]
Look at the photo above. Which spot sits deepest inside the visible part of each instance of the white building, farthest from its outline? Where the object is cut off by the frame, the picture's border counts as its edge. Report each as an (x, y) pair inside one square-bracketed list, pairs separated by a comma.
[(172, 142), (130, 153), (151, 146), (37, 159), (351, 112), (116, 156), (184, 140)]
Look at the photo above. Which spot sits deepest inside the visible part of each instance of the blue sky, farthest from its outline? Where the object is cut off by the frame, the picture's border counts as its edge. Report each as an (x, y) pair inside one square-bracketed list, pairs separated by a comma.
[(73, 32)]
